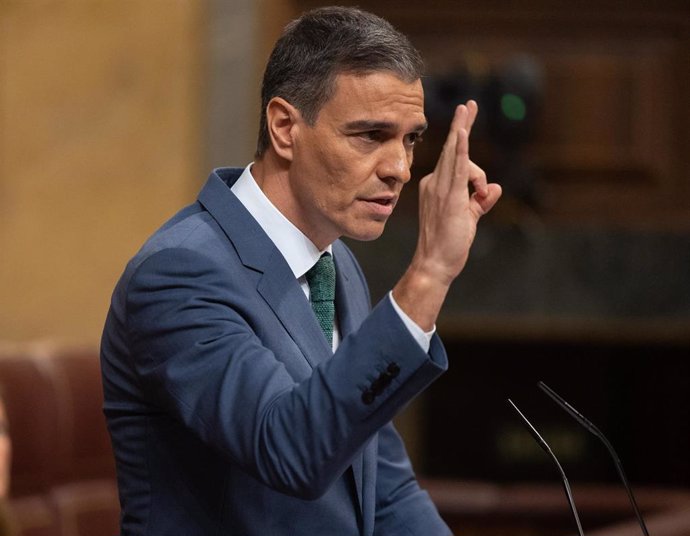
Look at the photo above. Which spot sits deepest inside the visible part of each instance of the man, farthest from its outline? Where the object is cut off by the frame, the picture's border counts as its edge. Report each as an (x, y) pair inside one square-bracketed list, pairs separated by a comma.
[(233, 407)]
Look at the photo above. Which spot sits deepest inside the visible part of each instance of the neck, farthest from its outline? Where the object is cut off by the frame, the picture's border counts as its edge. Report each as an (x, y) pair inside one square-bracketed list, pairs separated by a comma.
[(272, 175)]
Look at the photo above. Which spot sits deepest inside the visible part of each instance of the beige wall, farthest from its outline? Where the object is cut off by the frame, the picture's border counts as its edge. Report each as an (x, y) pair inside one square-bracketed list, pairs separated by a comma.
[(99, 142)]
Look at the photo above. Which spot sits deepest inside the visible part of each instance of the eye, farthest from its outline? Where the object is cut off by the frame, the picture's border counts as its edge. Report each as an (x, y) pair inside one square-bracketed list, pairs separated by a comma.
[(371, 135), (413, 139)]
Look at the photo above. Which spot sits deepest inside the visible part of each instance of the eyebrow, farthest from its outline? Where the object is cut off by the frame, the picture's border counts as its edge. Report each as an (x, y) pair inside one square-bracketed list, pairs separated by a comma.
[(366, 124)]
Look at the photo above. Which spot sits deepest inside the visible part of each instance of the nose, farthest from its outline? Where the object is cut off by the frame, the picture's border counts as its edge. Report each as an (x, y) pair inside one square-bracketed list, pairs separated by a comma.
[(395, 162)]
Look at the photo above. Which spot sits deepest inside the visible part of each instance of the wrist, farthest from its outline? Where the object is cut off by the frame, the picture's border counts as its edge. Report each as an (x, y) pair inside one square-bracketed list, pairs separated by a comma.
[(421, 295)]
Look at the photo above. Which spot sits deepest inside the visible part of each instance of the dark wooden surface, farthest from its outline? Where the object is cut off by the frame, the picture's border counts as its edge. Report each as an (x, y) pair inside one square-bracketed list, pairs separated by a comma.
[(484, 509)]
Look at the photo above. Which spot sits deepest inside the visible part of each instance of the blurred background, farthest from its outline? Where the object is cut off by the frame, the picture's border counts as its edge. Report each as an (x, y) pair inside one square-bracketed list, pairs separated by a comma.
[(113, 112)]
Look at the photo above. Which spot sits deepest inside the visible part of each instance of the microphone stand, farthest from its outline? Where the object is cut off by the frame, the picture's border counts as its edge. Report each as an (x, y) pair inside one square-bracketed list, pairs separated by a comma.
[(596, 432), (544, 445)]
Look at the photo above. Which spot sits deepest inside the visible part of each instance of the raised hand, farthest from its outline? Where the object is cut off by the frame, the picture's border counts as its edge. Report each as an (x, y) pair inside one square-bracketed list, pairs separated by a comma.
[(448, 216)]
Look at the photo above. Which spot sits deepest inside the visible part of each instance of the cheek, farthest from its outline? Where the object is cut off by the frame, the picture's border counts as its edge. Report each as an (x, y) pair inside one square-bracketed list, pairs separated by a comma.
[(336, 174), (348, 178), (332, 181), (332, 164)]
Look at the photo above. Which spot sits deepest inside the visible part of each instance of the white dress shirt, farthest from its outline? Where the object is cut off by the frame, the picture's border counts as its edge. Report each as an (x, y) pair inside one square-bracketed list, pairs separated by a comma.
[(300, 252)]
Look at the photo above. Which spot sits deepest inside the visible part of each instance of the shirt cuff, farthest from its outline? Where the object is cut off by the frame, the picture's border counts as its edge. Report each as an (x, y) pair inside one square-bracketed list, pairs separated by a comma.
[(422, 337)]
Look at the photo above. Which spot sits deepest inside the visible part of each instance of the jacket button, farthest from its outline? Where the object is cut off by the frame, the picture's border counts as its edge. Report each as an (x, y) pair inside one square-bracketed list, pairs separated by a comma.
[(393, 370), (368, 397)]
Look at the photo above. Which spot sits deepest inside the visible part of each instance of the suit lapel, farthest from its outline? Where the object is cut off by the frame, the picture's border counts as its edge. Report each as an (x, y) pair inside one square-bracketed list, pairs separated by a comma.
[(277, 284), (284, 295), (343, 298), (351, 303)]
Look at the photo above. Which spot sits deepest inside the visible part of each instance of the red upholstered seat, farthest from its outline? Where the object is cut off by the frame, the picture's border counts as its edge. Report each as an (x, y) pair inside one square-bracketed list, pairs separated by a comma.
[(63, 474)]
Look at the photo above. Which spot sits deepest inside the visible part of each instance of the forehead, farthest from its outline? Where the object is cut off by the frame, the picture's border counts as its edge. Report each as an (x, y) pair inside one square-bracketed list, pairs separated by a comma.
[(379, 96)]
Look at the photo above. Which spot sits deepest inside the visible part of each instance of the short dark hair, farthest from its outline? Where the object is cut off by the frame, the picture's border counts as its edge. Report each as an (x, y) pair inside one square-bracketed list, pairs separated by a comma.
[(323, 43)]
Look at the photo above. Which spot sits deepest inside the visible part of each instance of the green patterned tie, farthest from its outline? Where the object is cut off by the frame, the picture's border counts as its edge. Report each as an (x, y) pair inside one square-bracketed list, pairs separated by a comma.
[(321, 279)]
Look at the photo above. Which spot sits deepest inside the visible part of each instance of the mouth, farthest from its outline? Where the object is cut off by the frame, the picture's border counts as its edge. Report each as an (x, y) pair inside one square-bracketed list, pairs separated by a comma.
[(381, 205), (385, 201)]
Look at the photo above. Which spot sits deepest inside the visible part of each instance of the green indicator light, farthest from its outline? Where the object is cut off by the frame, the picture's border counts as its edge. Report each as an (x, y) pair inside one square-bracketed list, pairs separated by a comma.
[(513, 107)]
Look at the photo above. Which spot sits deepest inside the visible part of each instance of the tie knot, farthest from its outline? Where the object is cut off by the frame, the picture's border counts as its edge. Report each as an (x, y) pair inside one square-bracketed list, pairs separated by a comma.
[(321, 279)]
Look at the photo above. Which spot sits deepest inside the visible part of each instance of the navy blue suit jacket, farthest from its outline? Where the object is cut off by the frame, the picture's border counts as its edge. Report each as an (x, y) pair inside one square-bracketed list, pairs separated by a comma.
[(230, 415)]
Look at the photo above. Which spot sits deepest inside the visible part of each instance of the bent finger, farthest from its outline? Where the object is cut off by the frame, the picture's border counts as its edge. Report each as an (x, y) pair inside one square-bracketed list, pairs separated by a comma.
[(477, 177), (482, 204)]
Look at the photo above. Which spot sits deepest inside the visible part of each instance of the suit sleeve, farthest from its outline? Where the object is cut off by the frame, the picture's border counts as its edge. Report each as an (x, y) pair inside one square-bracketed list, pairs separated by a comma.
[(402, 507), (199, 360)]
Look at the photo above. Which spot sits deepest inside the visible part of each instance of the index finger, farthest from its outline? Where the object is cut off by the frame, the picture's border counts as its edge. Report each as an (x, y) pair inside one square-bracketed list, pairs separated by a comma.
[(446, 160), (472, 110)]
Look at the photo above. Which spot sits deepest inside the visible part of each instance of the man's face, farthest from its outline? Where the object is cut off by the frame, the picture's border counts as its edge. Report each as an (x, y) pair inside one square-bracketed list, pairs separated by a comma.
[(348, 169)]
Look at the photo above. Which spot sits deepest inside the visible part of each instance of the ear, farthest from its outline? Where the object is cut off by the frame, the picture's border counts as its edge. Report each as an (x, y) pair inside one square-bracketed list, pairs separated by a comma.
[(282, 119)]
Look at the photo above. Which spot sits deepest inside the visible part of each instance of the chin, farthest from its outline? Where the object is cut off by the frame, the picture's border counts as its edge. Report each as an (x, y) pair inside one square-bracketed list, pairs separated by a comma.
[(366, 235)]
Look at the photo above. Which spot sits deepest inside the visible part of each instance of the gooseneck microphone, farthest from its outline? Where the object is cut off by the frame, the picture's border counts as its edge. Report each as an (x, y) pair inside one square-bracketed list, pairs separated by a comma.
[(544, 445), (596, 432)]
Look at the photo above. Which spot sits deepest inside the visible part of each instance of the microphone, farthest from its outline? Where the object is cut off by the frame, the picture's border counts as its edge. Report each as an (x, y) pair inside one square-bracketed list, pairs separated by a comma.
[(595, 431), (544, 445)]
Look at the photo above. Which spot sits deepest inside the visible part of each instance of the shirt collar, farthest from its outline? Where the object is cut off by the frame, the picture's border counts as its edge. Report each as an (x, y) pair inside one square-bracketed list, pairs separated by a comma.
[(299, 252)]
